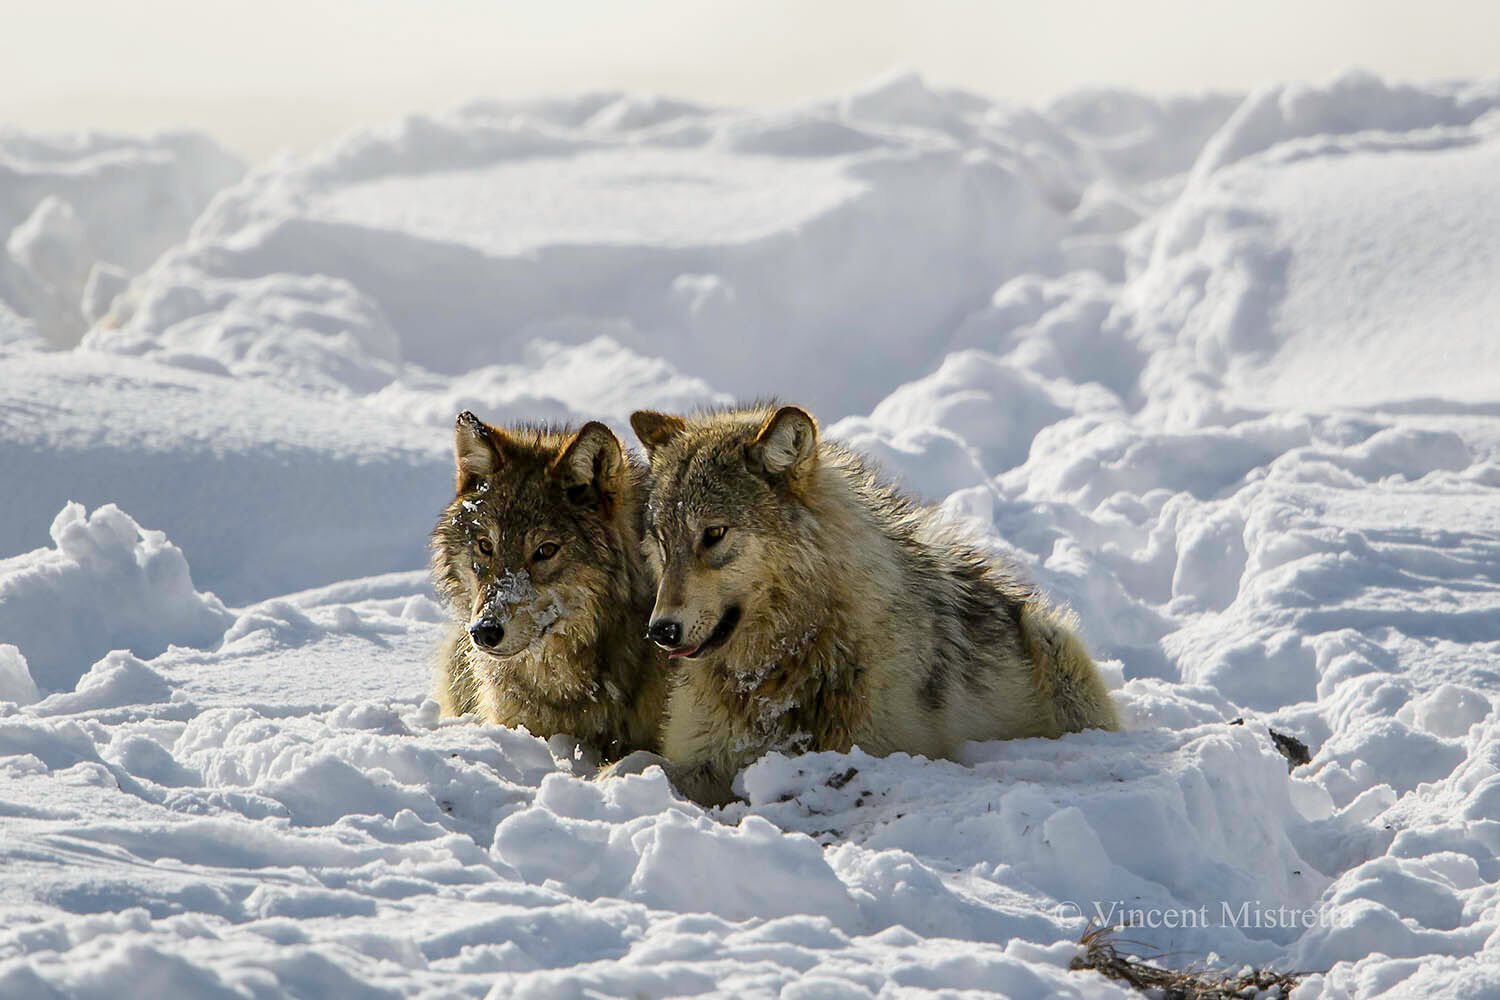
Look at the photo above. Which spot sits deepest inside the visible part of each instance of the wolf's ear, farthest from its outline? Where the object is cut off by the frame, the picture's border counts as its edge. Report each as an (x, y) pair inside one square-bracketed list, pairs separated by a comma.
[(787, 445), (655, 429), (476, 450), (592, 465)]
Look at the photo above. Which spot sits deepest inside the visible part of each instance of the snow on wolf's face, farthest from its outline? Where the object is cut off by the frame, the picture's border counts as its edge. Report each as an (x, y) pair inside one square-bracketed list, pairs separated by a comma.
[(724, 528), (532, 550)]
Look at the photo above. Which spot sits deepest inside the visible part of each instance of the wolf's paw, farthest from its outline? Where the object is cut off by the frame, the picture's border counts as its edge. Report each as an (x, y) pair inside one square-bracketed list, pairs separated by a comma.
[(635, 763)]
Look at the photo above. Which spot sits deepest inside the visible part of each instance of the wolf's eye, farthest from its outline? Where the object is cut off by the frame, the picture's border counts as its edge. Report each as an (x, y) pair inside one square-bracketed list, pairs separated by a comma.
[(485, 548), (713, 536), (544, 551)]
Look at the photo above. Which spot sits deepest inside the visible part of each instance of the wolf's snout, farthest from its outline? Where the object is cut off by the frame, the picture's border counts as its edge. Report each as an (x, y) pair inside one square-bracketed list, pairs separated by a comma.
[(487, 634), (665, 633)]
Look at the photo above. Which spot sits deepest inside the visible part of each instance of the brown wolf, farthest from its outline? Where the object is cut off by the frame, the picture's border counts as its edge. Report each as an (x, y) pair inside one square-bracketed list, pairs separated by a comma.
[(539, 559), (814, 607)]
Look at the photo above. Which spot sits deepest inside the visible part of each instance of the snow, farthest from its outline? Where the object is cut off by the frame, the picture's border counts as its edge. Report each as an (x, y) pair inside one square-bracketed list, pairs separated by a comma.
[(1218, 371), (77, 204), (547, 201), (105, 585), (16, 683)]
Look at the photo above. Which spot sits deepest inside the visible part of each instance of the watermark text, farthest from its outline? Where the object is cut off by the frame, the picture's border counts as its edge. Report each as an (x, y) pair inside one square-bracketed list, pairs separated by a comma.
[(1251, 914)]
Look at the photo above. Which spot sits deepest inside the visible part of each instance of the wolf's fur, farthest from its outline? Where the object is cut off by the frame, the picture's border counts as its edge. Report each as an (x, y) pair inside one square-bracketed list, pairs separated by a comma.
[(863, 619), (573, 658)]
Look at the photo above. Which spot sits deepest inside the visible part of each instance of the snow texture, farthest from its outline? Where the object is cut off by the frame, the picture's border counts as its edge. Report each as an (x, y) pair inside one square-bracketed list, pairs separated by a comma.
[(1219, 372)]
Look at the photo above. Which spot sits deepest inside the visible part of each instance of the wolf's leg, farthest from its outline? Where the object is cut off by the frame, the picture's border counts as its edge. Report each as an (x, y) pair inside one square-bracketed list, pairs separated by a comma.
[(700, 783), (636, 762), (705, 785)]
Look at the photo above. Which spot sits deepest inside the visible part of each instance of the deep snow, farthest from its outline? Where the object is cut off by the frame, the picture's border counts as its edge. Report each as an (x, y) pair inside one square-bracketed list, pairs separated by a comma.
[(1221, 372)]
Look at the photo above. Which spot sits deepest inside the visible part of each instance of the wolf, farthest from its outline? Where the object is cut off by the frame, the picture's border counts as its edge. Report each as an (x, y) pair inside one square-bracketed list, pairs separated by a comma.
[(538, 558), (812, 606)]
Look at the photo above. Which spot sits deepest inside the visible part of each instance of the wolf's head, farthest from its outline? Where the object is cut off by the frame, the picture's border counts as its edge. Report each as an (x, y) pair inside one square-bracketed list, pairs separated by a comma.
[(535, 546), (729, 524)]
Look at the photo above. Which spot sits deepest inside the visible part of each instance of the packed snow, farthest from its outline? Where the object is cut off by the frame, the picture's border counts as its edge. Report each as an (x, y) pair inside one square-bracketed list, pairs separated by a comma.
[(1220, 372)]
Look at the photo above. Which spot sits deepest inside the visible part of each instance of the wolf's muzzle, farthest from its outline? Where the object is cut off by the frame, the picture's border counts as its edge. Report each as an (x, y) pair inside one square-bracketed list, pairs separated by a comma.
[(671, 634)]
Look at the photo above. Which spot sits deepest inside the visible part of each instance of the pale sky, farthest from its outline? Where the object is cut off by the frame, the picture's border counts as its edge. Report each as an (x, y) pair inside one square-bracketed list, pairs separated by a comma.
[(261, 75)]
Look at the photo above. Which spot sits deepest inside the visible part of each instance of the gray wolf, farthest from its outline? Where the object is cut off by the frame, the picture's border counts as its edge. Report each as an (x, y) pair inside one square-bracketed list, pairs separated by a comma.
[(812, 606), (538, 558)]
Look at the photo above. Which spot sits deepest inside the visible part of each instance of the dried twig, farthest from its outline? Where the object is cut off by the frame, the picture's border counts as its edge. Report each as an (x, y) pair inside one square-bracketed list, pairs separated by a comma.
[(1099, 954)]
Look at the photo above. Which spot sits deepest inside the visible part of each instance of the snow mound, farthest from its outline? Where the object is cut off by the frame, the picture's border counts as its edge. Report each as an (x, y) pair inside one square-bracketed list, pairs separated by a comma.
[(994, 407), (119, 680), (106, 584), (548, 381), (16, 683), (635, 840), (310, 332), (82, 210), (1077, 821)]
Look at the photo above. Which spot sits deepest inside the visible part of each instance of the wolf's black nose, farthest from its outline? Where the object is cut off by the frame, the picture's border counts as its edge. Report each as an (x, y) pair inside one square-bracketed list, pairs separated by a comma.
[(487, 634), (665, 633)]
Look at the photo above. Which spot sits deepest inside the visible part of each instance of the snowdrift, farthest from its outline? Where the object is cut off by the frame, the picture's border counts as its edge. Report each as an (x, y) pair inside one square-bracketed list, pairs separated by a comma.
[(106, 585), (1217, 371), (266, 491), (85, 212)]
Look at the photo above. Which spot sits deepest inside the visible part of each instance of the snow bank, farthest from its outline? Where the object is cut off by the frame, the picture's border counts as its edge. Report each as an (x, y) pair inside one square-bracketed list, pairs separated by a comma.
[(1348, 107), (83, 211), (106, 584), (739, 248), (1272, 271), (264, 490)]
